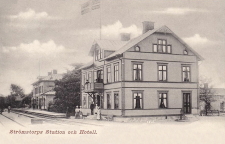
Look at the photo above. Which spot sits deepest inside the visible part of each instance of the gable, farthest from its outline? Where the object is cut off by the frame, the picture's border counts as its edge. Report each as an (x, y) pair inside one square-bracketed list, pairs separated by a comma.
[(164, 30), (176, 46), (108, 45)]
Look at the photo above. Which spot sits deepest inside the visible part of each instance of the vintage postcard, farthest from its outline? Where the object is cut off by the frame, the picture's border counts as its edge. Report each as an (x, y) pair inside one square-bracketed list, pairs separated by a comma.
[(112, 71)]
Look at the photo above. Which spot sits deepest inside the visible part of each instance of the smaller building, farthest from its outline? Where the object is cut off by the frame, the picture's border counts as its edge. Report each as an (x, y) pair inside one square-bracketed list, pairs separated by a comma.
[(219, 97), (43, 90)]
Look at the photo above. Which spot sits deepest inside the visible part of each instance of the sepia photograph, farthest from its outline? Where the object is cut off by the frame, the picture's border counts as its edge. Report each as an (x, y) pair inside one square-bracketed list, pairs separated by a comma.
[(112, 71)]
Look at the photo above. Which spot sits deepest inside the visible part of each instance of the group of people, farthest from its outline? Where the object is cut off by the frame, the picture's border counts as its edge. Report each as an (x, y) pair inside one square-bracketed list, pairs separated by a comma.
[(78, 112), (95, 110)]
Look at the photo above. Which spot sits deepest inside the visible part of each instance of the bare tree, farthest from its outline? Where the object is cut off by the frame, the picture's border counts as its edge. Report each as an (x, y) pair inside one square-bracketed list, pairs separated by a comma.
[(206, 93)]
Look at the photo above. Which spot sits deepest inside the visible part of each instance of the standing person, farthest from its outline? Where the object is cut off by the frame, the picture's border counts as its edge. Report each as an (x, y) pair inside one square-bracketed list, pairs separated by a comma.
[(9, 108), (92, 106), (76, 112), (98, 113)]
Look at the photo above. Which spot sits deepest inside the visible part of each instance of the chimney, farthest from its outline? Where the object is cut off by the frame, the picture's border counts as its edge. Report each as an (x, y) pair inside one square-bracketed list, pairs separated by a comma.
[(49, 73), (125, 36), (54, 71), (147, 25)]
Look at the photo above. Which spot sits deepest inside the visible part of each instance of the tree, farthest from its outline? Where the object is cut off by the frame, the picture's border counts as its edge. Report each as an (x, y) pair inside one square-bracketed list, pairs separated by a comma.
[(2, 102), (206, 93), (68, 91), (16, 90)]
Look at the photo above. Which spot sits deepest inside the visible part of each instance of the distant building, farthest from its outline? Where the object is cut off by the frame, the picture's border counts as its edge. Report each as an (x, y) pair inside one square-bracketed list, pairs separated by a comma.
[(219, 97), (43, 90), (153, 74)]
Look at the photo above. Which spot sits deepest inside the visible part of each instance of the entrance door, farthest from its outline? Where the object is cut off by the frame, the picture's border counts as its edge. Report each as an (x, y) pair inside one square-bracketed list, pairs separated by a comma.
[(98, 100), (187, 103)]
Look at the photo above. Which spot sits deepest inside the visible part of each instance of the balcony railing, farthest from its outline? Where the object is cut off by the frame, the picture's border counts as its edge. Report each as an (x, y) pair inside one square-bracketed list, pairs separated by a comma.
[(93, 86)]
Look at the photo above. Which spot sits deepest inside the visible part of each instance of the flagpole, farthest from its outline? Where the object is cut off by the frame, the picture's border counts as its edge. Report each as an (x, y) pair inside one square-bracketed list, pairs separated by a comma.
[(100, 20)]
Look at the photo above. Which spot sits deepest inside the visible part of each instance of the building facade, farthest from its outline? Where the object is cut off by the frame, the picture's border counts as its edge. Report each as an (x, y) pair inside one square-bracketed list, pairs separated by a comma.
[(151, 75), (43, 90)]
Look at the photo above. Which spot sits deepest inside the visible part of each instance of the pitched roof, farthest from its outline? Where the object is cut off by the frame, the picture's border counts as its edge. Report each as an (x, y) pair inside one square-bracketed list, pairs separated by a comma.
[(218, 91), (52, 92), (89, 64), (138, 39), (111, 45), (51, 77)]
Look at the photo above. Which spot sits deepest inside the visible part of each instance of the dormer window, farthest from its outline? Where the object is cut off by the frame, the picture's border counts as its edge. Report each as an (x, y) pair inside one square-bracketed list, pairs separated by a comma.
[(185, 52), (137, 48), (162, 47), (98, 54)]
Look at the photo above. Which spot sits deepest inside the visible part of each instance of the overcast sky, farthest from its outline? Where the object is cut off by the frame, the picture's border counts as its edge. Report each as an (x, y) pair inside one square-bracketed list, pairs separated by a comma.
[(55, 32)]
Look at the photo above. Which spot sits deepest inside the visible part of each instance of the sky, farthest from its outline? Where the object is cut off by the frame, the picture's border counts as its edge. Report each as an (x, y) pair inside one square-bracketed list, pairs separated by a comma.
[(52, 34)]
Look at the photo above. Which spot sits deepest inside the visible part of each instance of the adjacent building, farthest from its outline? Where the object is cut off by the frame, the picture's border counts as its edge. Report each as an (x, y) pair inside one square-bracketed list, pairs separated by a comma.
[(219, 97), (153, 74), (43, 90)]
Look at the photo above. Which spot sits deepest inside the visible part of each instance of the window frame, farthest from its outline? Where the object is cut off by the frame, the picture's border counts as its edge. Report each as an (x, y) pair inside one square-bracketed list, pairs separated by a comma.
[(114, 96), (167, 95), (98, 54), (84, 100), (182, 77), (110, 100), (116, 72), (185, 52), (89, 76), (140, 73), (164, 46), (108, 74), (142, 98), (139, 49), (162, 64)]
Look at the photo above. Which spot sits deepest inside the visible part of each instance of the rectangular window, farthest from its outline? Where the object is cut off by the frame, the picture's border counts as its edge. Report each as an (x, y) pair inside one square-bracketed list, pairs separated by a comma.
[(108, 69), (101, 53), (137, 97), (84, 79), (116, 73), (89, 77), (155, 48), (95, 76), (186, 73), (90, 101), (108, 100), (102, 101), (84, 101), (162, 46), (96, 54), (162, 69), (169, 49), (100, 76), (137, 70), (163, 100), (116, 100)]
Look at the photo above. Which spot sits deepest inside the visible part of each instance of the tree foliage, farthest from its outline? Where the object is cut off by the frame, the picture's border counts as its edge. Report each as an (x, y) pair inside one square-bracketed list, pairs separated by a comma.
[(67, 91), (206, 93), (16, 90)]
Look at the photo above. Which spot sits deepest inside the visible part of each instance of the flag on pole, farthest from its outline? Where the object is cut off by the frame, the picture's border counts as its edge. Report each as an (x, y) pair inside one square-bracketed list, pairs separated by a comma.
[(90, 5), (95, 4)]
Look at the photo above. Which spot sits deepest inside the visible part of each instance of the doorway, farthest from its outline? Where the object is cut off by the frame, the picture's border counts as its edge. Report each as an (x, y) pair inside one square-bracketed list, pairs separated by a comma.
[(187, 103)]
